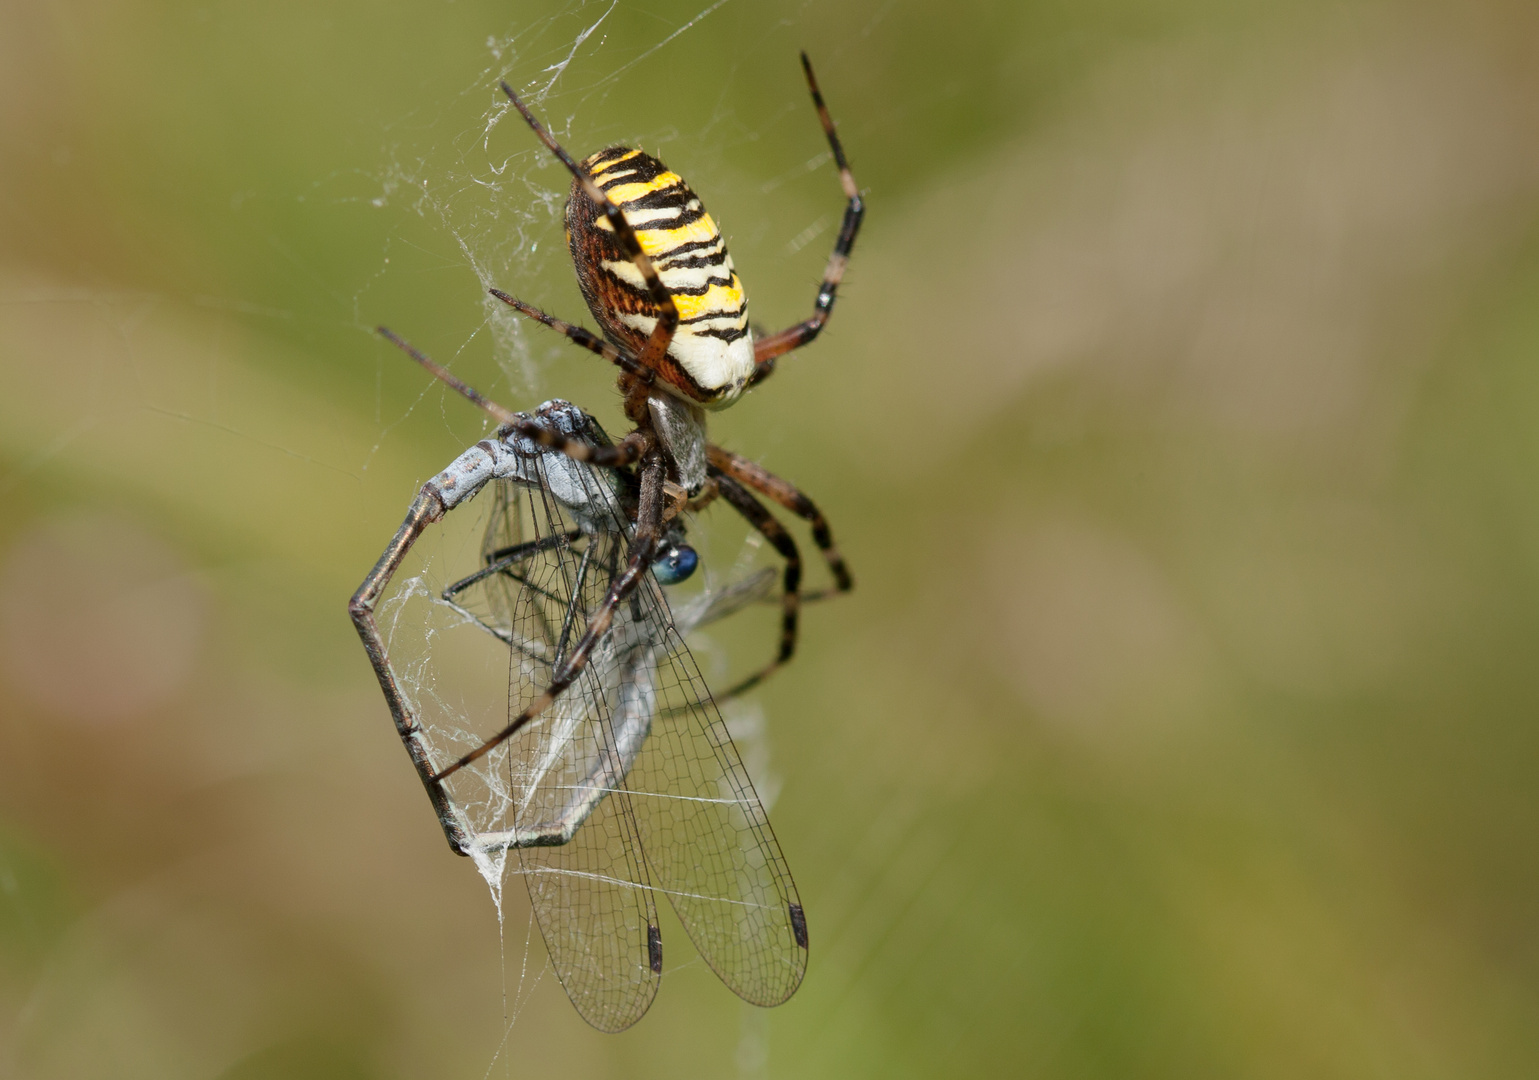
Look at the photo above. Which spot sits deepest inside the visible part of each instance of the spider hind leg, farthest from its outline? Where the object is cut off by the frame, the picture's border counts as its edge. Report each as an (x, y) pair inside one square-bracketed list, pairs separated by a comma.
[(768, 349)]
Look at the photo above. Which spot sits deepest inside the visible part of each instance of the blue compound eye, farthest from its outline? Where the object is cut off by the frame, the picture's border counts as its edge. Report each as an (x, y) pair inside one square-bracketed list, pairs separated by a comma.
[(675, 564)]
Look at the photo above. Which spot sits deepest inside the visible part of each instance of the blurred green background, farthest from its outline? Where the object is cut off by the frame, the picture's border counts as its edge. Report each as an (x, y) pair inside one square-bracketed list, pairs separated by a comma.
[(1178, 419)]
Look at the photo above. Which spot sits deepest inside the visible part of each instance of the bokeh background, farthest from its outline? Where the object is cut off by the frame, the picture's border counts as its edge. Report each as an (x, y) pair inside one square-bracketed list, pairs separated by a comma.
[(1178, 419)]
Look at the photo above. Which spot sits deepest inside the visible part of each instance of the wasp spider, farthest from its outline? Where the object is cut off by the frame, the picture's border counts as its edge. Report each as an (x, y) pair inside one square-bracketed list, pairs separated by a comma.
[(655, 272)]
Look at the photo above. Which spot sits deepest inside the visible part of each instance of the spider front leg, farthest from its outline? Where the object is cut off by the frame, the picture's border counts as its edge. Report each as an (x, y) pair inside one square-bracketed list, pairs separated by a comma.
[(790, 597), (643, 550), (626, 452), (766, 350), (765, 482)]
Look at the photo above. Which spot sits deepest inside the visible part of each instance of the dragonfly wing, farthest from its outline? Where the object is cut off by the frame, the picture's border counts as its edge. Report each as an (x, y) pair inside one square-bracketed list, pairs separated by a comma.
[(629, 779), (566, 809), (581, 858), (727, 600), (709, 845)]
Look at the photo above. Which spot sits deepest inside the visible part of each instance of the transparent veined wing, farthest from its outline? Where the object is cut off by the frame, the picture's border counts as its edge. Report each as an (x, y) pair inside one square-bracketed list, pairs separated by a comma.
[(708, 841), (629, 780)]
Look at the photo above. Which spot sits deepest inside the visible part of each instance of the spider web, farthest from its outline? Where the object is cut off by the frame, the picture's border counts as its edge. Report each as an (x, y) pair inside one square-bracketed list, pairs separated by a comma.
[(496, 194), (465, 171)]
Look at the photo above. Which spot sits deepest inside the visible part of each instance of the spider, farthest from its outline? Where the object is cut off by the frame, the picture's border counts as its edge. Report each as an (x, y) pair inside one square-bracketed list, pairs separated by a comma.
[(607, 527)]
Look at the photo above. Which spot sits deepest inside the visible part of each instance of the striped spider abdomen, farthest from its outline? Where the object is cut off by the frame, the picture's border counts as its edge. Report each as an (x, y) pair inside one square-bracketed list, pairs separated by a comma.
[(710, 358)]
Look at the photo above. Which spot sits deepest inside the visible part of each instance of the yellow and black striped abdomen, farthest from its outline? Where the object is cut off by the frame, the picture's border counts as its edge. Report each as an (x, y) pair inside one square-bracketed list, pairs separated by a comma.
[(711, 356)]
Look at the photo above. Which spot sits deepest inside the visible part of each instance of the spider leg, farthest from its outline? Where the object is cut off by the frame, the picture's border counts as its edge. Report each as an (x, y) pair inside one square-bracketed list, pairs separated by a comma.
[(790, 597), (767, 483), (667, 312), (441, 373), (625, 452), (582, 336), (766, 350), (427, 509), (707, 496), (643, 550)]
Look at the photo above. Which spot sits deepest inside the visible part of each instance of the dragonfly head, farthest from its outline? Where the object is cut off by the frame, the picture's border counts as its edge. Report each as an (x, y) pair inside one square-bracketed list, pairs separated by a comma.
[(675, 563)]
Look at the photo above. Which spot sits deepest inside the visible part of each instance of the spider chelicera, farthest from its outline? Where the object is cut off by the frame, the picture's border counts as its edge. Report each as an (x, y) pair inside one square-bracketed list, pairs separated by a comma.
[(623, 773)]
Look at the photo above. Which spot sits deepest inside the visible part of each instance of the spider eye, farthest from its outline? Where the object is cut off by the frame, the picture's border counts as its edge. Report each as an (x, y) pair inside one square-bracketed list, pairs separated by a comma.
[(675, 564)]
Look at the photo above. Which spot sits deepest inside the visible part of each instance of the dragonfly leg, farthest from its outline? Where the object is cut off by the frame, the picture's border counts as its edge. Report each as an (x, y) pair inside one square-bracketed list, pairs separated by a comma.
[(643, 550)]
